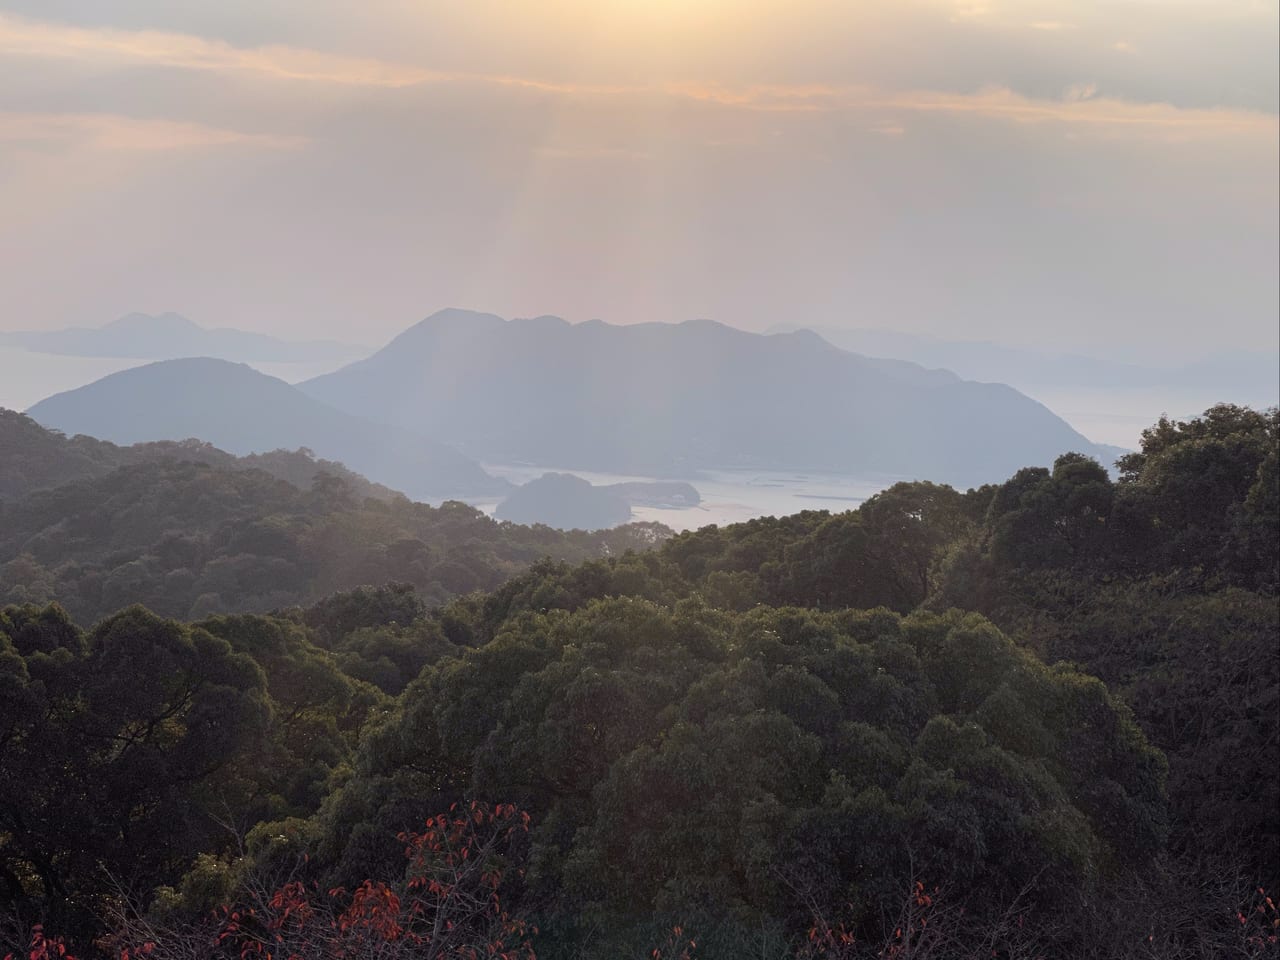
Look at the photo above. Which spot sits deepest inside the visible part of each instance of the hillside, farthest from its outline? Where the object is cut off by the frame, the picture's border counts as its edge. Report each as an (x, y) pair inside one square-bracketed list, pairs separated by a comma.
[(192, 535), (34, 458), (1039, 717), (243, 411), (662, 399), (1248, 373), (168, 335)]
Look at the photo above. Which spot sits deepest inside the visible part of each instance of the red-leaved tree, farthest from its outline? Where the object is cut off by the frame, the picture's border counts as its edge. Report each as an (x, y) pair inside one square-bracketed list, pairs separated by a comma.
[(448, 906)]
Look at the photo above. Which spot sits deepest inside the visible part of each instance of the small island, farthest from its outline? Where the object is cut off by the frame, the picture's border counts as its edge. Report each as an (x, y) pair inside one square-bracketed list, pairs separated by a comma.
[(568, 502)]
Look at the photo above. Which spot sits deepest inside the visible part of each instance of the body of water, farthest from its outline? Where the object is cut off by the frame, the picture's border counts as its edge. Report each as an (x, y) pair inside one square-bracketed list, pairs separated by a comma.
[(1118, 415), (728, 496)]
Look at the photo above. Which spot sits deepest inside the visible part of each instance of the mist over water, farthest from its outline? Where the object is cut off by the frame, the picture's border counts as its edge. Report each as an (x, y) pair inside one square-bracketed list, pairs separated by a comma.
[(1117, 415)]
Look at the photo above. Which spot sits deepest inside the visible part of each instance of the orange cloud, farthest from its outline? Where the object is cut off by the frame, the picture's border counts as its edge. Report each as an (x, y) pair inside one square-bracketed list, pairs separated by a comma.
[(1082, 108), (39, 39)]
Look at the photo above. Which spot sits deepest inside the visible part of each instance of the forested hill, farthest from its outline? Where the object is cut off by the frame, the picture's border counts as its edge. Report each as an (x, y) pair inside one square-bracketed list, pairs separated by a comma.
[(656, 399), (35, 458), (243, 411), (1035, 719), (189, 530)]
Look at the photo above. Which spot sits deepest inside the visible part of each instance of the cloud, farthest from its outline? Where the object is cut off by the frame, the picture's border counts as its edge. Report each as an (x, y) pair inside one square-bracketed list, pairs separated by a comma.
[(1084, 109), (115, 132), (1081, 107), (785, 98), (1080, 92), (970, 10), (40, 39)]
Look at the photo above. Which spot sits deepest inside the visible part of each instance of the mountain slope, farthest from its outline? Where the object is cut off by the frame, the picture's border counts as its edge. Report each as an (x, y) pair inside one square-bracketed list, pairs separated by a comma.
[(169, 335), (671, 399), (191, 539), (34, 458), (243, 411), (1254, 374)]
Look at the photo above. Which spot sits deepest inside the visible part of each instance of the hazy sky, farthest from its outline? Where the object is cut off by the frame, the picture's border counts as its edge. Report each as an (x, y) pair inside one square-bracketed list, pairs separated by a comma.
[(1096, 174)]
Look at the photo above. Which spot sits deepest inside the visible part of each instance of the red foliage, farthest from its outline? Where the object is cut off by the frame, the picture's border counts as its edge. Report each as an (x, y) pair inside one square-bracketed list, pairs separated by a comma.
[(43, 948), (448, 907), (678, 946)]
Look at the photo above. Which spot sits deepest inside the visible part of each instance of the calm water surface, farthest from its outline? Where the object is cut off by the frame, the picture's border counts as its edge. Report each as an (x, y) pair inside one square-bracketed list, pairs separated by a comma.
[(728, 496)]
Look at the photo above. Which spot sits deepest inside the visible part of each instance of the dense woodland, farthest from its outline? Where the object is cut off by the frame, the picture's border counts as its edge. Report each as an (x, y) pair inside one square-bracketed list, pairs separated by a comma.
[(1039, 718), (188, 530)]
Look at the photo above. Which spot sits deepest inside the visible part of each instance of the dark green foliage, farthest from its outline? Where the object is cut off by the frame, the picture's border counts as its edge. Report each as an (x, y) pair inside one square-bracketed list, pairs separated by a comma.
[(133, 748), (318, 712), (1202, 675), (118, 748), (341, 614), (1164, 585), (882, 554), (688, 758), (1060, 692)]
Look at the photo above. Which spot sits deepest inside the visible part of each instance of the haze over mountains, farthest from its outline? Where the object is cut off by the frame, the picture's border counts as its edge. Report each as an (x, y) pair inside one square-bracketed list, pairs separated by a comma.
[(670, 399), (168, 335), (243, 411), (646, 400), (1251, 373)]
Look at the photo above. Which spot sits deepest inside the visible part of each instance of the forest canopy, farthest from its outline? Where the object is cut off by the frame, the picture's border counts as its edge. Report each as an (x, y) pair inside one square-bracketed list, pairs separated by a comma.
[(1042, 715)]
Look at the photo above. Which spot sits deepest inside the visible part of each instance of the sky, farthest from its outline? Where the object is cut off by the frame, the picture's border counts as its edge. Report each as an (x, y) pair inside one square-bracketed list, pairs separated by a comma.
[(1100, 176)]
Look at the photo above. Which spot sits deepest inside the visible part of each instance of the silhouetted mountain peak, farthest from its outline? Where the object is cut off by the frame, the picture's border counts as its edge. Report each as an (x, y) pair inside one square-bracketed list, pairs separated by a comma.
[(210, 377), (244, 411), (665, 399), (452, 321)]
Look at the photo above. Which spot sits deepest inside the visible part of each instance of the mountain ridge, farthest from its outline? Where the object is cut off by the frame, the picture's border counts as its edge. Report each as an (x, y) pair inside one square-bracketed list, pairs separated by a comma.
[(243, 411), (995, 361), (166, 336), (670, 399)]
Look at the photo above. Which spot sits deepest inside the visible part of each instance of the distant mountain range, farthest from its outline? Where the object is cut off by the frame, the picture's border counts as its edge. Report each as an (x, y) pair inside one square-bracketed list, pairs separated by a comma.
[(1249, 377), (168, 335), (671, 399), (243, 411)]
